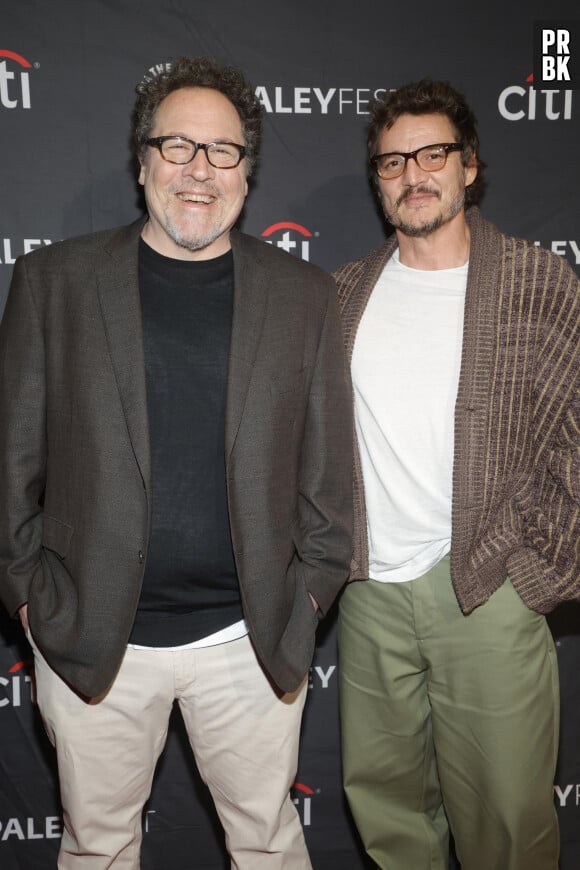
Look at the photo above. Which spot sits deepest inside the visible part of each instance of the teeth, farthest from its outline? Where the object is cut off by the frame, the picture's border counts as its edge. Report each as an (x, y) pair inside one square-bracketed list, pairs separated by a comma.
[(195, 197)]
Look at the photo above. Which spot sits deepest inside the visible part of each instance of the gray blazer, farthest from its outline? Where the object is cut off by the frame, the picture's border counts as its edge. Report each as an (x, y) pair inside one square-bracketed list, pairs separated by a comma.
[(75, 501)]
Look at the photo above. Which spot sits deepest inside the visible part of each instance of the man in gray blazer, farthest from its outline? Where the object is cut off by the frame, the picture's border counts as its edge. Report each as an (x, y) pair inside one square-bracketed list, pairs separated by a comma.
[(175, 456)]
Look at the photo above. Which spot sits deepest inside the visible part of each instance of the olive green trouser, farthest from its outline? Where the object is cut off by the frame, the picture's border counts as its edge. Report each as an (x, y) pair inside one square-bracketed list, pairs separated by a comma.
[(448, 721)]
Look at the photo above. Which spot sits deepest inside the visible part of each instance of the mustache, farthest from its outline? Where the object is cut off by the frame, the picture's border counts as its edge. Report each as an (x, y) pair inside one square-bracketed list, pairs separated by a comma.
[(420, 188)]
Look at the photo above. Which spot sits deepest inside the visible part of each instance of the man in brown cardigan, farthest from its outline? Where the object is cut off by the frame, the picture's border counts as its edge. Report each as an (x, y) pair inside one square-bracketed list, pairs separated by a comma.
[(465, 358)]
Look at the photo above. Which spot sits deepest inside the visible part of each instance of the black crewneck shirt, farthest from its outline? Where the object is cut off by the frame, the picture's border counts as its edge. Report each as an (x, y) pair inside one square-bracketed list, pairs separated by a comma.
[(190, 588)]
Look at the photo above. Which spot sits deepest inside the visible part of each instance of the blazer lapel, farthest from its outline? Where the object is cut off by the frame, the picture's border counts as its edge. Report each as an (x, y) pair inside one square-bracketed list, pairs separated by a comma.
[(118, 288), (250, 300)]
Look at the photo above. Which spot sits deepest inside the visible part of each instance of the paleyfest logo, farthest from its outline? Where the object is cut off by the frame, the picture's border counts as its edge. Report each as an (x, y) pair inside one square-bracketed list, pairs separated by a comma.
[(49, 828), (14, 80), (564, 248), (11, 248), (291, 237), (279, 100), (567, 795)]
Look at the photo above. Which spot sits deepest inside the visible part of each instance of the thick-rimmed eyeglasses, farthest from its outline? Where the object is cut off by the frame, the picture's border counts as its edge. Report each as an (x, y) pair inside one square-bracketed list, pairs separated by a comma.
[(178, 149), (429, 157)]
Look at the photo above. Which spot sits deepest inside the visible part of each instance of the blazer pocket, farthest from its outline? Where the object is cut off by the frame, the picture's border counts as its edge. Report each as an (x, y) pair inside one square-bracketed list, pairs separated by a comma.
[(56, 536)]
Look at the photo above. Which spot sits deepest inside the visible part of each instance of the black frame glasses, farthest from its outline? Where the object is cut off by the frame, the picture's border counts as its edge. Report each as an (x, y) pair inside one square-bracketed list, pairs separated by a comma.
[(215, 156), (418, 156)]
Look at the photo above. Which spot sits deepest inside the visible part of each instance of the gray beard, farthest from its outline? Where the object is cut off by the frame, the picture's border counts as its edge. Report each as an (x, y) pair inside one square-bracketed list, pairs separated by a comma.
[(191, 244), (427, 227)]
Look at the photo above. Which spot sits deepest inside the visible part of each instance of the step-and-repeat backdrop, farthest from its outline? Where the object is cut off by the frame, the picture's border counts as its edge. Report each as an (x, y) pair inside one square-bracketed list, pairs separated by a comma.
[(67, 73)]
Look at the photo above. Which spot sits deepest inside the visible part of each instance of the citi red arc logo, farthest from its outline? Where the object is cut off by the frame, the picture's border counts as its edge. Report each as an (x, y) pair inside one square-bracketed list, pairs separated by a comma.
[(19, 665), (286, 225), (14, 56), (17, 687), (299, 786), (302, 800), (290, 236), (14, 85)]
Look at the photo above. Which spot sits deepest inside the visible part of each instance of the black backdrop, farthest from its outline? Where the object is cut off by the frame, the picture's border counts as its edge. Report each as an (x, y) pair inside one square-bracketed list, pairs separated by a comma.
[(67, 72)]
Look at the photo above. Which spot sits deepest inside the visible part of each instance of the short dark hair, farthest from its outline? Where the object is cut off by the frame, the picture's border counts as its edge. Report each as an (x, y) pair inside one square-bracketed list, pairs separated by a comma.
[(197, 72), (428, 97)]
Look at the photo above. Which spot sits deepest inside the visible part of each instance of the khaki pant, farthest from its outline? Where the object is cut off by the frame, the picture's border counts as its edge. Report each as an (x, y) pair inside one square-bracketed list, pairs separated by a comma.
[(243, 734), (448, 721)]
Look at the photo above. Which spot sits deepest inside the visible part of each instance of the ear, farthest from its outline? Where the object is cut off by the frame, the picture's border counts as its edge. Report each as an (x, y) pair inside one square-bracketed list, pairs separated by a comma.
[(141, 178), (470, 170)]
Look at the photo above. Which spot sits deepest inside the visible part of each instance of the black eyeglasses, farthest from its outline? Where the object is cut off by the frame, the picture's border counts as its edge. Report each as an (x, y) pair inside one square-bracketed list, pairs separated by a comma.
[(429, 157), (178, 149)]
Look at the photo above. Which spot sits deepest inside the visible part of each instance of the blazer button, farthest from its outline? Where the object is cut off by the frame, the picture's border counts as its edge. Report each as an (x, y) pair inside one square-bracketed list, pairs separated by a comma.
[(141, 557)]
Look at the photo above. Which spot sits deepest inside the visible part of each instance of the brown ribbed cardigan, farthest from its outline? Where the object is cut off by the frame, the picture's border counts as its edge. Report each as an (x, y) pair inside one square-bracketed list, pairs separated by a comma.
[(516, 469)]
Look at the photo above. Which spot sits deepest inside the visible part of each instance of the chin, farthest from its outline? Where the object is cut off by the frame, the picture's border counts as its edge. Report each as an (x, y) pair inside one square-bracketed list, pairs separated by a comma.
[(418, 229)]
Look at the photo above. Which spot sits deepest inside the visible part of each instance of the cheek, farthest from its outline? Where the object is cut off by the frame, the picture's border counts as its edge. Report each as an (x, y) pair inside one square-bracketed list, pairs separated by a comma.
[(242, 186), (238, 191), (386, 196)]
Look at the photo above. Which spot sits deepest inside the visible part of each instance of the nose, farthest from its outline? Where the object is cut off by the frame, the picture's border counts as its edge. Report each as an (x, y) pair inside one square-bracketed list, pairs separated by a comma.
[(413, 173), (200, 167)]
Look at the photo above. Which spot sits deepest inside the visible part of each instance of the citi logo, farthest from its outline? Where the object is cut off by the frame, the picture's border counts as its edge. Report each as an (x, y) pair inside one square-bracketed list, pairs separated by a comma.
[(291, 237), (14, 85), (302, 800), (516, 103), (17, 686)]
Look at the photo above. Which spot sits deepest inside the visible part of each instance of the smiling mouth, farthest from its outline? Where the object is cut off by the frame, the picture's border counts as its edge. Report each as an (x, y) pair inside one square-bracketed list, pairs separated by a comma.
[(205, 198)]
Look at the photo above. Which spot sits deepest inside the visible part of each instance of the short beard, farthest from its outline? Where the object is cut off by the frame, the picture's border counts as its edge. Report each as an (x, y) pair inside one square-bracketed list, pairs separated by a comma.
[(427, 227), (187, 242)]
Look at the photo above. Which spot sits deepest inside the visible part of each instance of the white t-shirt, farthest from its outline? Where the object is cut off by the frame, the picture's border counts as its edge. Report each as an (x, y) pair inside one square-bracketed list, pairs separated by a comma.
[(224, 635), (405, 370)]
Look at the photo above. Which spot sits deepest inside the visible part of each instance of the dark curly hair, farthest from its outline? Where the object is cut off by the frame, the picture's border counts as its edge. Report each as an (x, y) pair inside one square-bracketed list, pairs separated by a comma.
[(428, 97), (197, 72)]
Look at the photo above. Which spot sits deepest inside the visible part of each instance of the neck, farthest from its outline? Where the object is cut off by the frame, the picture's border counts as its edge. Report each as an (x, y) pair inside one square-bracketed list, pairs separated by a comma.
[(444, 248)]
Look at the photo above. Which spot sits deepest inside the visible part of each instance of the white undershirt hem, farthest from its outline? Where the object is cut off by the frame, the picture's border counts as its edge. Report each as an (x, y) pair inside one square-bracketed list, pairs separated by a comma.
[(224, 635)]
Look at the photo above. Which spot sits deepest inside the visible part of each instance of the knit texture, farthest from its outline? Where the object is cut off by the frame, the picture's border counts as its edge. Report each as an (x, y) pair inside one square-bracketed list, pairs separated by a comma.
[(516, 472)]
